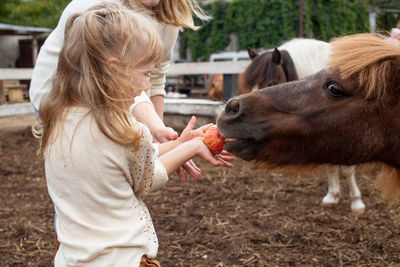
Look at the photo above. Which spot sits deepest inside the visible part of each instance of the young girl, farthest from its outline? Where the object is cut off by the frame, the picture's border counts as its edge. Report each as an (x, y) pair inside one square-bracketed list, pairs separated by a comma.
[(171, 15), (99, 161)]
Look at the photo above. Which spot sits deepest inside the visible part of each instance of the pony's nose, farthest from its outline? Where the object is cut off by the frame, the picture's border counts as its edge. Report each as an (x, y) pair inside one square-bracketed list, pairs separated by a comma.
[(232, 107)]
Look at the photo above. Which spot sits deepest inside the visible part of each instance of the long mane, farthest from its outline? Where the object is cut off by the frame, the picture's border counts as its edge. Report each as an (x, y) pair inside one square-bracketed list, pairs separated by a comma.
[(369, 59)]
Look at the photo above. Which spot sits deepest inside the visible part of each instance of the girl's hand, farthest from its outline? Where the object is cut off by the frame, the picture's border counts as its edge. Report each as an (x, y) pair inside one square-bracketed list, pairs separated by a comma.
[(223, 159), (188, 133), (165, 134), (191, 168)]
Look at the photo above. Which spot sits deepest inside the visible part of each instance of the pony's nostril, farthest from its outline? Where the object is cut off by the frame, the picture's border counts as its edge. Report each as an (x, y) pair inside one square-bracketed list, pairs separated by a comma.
[(232, 107)]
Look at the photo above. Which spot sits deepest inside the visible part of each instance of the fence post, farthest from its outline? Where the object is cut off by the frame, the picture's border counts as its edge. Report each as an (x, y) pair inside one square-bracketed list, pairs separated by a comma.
[(230, 86)]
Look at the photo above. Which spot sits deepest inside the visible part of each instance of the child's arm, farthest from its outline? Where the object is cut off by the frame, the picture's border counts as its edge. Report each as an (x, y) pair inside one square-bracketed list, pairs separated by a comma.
[(187, 135), (174, 158), (188, 146), (145, 113)]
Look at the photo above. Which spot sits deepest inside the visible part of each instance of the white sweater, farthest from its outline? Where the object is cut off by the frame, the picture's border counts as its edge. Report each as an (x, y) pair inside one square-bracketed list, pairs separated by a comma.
[(97, 187), (47, 61)]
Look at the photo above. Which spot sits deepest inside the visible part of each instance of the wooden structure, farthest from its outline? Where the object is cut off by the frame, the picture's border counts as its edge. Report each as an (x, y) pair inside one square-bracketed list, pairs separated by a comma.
[(38, 35), (15, 89), (229, 69)]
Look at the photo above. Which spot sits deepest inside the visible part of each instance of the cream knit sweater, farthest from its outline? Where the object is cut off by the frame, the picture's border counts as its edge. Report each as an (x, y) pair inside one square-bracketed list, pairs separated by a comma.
[(97, 188)]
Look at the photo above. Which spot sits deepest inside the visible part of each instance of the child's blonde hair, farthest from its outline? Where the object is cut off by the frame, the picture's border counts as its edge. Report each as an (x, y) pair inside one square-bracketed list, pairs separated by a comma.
[(174, 12), (104, 48)]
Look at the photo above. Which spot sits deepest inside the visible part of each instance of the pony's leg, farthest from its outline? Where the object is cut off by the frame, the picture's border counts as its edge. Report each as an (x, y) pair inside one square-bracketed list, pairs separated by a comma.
[(332, 197), (357, 205)]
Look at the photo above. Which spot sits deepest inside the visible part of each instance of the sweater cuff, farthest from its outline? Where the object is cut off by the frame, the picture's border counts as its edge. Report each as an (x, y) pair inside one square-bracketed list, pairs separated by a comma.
[(140, 99), (160, 176)]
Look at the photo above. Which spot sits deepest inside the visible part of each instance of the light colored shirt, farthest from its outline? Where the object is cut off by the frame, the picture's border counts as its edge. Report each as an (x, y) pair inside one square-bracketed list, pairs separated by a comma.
[(97, 188), (47, 61)]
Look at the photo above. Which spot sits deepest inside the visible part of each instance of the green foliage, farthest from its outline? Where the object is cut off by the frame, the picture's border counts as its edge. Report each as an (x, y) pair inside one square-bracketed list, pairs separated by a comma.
[(208, 38), (327, 19), (268, 23), (40, 13), (386, 20)]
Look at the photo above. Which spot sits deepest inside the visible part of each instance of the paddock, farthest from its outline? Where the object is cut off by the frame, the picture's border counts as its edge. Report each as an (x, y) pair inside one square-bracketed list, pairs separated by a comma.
[(238, 217)]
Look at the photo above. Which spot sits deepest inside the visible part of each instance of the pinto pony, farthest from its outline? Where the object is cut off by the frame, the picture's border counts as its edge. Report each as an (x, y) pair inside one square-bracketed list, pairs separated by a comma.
[(347, 113), (294, 60)]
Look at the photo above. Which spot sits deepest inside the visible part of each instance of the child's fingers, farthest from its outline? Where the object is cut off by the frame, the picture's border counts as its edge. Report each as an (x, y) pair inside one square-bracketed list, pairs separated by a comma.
[(214, 159), (225, 153), (192, 169), (225, 163), (191, 162), (205, 127), (190, 124), (226, 158), (181, 174)]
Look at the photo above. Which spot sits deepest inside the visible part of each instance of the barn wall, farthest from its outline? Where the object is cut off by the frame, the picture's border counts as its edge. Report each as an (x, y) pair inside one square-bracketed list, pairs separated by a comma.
[(9, 50)]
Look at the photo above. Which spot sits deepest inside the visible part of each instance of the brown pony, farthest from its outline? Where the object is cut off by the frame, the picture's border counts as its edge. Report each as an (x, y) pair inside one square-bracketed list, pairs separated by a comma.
[(216, 86), (296, 59), (267, 69), (344, 114)]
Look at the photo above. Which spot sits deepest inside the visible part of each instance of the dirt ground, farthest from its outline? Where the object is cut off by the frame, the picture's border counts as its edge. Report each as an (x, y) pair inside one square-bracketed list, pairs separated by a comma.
[(239, 217)]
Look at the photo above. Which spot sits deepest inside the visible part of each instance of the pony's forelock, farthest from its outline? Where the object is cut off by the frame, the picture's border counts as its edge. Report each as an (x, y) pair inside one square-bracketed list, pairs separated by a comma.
[(372, 62)]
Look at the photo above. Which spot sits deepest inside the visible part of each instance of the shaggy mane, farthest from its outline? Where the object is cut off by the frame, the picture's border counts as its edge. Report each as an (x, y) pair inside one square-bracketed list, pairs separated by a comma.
[(369, 59)]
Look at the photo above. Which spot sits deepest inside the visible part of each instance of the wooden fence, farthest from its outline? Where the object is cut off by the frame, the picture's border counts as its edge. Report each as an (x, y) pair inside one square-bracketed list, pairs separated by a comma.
[(229, 69)]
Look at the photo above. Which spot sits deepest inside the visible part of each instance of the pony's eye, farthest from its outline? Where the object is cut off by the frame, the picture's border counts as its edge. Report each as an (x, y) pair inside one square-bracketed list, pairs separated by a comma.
[(335, 90)]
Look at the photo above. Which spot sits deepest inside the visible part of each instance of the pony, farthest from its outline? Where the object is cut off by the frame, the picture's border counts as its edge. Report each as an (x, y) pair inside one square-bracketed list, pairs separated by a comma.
[(216, 86), (345, 114), (294, 60)]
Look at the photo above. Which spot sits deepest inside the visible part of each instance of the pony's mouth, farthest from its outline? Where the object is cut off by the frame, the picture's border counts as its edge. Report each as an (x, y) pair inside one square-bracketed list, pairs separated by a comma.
[(244, 148)]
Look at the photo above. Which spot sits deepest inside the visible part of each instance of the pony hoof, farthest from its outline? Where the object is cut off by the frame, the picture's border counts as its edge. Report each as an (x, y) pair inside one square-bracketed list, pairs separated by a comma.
[(357, 211)]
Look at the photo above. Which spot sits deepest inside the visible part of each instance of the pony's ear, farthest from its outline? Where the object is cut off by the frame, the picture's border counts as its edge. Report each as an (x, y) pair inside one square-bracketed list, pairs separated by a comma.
[(276, 56), (252, 53)]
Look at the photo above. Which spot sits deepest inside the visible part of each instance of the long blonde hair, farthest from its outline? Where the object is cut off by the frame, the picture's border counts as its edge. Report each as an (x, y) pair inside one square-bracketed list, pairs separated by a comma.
[(88, 76), (174, 12)]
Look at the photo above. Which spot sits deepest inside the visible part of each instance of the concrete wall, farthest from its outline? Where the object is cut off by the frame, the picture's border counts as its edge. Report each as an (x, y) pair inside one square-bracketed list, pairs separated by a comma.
[(177, 111)]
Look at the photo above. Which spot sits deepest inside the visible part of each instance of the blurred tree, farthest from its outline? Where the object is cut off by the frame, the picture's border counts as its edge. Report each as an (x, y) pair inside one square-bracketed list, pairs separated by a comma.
[(388, 13), (40, 13), (268, 23)]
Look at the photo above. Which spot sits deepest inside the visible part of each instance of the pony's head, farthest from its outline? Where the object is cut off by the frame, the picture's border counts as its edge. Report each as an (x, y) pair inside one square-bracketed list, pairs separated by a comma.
[(267, 69), (345, 114)]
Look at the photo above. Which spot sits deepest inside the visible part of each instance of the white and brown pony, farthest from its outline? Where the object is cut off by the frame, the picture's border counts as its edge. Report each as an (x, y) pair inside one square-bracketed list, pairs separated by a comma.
[(294, 60), (345, 114)]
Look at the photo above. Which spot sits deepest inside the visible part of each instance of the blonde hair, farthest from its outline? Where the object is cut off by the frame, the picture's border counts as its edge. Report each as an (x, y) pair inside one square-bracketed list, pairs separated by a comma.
[(88, 76), (174, 12)]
